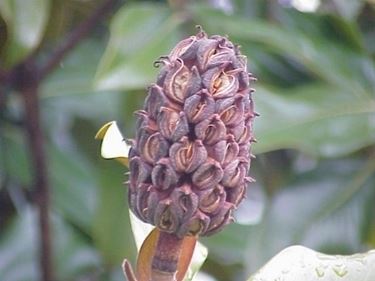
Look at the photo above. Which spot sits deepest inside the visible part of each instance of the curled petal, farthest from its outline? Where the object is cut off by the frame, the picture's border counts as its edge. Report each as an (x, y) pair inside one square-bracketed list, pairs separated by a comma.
[(211, 130), (231, 150), (237, 130), (155, 99), (222, 58), (163, 175), (217, 151), (234, 173), (165, 218), (243, 80), (194, 84), (210, 200), (172, 125), (196, 225), (185, 202), (182, 48), (232, 113), (177, 81), (154, 148), (248, 107), (199, 106), (244, 151), (247, 133), (210, 76), (186, 156), (236, 195), (205, 50), (221, 219), (140, 172), (139, 201), (224, 86), (208, 175)]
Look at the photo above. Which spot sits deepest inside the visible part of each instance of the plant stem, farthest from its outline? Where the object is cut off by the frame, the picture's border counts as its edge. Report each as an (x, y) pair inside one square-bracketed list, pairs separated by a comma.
[(167, 255), (28, 87)]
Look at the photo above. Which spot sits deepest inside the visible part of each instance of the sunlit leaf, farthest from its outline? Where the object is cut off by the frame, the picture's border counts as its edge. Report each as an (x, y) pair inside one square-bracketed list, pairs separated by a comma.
[(297, 263), (316, 119), (26, 21)]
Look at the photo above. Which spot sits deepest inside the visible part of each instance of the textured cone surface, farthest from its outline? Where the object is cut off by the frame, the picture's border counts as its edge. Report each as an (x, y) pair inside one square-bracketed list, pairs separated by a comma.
[(191, 155)]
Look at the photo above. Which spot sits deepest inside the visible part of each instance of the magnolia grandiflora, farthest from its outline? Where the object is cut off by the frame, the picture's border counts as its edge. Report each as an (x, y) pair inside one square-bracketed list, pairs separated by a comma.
[(191, 155)]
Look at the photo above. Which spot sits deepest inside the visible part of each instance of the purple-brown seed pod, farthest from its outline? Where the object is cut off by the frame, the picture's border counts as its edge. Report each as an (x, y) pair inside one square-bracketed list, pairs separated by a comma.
[(191, 155)]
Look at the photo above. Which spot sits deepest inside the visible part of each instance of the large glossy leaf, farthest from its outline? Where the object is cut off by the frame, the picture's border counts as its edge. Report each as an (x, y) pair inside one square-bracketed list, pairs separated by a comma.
[(74, 187), (140, 34), (326, 209), (14, 162), (19, 251), (111, 230), (317, 119), (26, 21), (297, 263), (76, 72)]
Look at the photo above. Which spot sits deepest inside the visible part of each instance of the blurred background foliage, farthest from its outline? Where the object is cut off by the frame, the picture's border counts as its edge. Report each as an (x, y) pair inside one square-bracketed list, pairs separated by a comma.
[(315, 166)]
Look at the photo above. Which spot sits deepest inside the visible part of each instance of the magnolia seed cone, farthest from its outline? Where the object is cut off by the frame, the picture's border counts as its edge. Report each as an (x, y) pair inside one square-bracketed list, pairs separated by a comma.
[(191, 155)]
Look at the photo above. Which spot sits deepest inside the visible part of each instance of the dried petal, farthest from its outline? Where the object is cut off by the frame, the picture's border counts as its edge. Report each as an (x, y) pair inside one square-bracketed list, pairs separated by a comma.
[(177, 81), (199, 107), (140, 172), (217, 151), (197, 224), (206, 48), (211, 130), (231, 150), (208, 174), (182, 47), (186, 156), (155, 147), (163, 175), (172, 124), (155, 99), (218, 221), (231, 113), (235, 195), (211, 200), (234, 173)]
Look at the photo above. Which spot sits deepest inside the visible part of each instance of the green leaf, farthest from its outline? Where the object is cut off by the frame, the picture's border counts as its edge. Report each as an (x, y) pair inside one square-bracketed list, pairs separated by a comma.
[(317, 119), (14, 156), (140, 34), (75, 74), (19, 251), (301, 263), (26, 21), (74, 186), (111, 229), (326, 209)]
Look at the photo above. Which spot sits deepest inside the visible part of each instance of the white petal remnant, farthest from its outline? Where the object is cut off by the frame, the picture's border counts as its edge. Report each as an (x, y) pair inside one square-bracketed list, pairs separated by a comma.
[(297, 263), (114, 145)]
